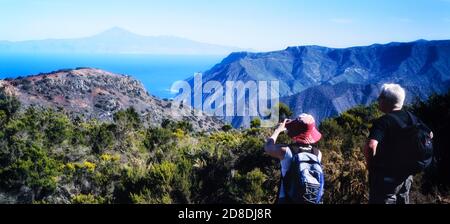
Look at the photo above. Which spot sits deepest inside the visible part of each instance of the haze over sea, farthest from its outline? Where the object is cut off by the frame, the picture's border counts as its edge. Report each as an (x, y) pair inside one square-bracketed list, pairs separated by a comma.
[(156, 72)]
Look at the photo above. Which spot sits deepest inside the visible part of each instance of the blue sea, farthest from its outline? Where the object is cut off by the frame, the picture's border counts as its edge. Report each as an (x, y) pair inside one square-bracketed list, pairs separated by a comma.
[(156, 72)]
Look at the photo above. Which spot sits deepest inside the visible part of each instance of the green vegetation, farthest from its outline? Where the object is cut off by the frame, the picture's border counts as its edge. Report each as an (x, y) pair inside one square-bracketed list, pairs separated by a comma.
[(45, 157), (343, 158), (255, 123), (284, 111), (227, 127), (435, 183)]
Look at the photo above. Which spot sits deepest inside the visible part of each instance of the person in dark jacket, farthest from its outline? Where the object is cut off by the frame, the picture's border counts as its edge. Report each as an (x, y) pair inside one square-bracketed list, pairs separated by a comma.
[(387, 184)]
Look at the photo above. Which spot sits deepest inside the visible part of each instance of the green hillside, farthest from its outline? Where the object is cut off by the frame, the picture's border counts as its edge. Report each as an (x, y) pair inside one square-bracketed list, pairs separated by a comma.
[(45, 157)]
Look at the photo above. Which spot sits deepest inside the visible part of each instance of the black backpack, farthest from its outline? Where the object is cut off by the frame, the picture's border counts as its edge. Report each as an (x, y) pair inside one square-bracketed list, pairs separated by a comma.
[(413, 146)]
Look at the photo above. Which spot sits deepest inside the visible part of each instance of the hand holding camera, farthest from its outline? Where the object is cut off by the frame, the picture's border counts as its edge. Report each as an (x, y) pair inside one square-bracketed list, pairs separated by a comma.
[(282, 126)]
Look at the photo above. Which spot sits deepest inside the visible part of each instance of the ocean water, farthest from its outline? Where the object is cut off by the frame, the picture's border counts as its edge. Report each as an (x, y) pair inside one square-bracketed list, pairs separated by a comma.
[(156, 72)]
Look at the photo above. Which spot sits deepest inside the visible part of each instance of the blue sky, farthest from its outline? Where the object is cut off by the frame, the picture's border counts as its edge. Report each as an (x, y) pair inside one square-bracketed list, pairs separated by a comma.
[(258, 24)]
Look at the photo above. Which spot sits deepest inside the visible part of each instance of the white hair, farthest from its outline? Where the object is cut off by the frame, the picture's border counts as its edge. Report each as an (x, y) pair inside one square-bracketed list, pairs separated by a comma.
[(394, 95)]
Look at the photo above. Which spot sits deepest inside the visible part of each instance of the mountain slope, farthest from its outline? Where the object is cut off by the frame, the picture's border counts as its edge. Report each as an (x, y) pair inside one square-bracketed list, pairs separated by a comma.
[(329, 81), (117, 41), (93, 93)]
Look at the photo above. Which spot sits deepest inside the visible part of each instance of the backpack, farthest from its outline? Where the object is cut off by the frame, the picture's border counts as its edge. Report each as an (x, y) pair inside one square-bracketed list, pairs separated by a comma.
[(413, 145), (304, 180)]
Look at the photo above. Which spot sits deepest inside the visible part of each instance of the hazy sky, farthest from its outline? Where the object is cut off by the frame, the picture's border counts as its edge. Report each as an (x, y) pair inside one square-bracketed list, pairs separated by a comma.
[(257, 24)]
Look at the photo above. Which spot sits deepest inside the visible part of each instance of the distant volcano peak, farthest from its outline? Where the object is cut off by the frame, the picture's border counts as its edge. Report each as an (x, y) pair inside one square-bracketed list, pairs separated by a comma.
[(116, 31)]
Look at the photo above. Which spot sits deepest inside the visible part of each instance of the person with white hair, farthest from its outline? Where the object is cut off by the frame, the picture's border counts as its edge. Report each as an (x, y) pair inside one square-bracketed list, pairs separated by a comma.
[(389, 149)]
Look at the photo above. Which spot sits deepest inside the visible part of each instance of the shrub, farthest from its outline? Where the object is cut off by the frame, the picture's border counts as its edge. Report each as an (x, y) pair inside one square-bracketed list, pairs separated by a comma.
[(284, 111), (255, 123), (127, 119), (87, 199), (58, 128), (227, 127), (185, 126), (249, 188), (31, 167), (156, 137), (8, 104), (101, 137)]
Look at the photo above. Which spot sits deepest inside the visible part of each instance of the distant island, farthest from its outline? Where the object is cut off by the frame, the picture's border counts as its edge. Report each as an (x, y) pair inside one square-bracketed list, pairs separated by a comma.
[(118, 41)]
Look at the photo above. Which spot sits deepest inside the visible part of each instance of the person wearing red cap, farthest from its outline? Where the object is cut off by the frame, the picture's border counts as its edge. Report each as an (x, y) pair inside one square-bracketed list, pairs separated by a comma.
[(304, 133)]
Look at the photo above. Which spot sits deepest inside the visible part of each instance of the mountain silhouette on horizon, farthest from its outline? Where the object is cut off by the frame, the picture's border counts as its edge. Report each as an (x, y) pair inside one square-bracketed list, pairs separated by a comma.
[(117, 40)]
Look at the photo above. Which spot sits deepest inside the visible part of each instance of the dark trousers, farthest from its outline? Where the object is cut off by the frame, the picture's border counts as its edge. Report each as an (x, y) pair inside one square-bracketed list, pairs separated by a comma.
[(389, 190)]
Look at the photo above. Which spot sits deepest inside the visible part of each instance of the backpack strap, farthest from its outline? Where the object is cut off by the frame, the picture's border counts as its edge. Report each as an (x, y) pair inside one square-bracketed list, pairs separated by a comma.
[(297, 148), (413, 118), (315, 151)]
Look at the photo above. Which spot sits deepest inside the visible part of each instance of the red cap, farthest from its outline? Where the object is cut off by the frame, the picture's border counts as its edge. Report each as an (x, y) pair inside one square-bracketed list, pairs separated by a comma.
[(303, 129)]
